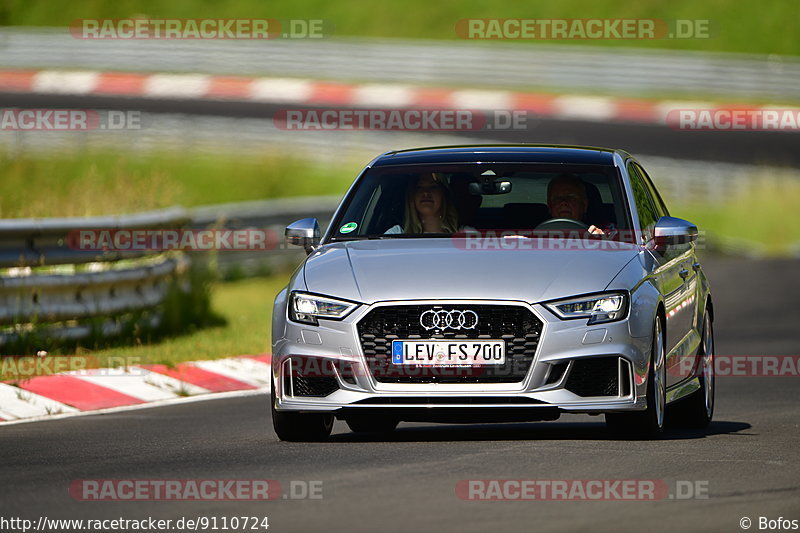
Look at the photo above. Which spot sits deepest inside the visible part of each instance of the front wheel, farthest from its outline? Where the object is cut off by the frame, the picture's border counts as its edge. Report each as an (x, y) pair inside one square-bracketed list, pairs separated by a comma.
[(647, 424), (300, 427)]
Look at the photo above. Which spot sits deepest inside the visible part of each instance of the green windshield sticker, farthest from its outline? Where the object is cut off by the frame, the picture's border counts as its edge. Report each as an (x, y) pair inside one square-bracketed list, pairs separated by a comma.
[(347, 228)]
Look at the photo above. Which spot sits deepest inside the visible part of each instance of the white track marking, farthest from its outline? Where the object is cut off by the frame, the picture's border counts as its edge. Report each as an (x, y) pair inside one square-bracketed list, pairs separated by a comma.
[(242, 369), (134, 382), (383, 95), (53, 81), (168, 383), (585, 107), (281, 90), (18, 403), (477, 99), (177, 86)]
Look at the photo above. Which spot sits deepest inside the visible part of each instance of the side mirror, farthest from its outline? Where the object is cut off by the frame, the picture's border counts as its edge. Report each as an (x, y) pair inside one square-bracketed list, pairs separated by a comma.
[(305, 233), (671, 230)]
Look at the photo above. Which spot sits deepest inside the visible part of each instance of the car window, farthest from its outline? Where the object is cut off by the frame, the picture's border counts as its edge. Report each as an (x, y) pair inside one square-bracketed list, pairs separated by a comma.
[(644, 203), (660, 206), (479, 196)]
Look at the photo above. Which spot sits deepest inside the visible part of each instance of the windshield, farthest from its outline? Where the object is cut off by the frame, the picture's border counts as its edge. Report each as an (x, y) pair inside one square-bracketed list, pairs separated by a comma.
[(436, 201)]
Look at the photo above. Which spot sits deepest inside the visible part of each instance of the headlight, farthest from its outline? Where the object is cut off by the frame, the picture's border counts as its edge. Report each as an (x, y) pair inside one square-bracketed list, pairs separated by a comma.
[(598, 308), (307, 308)]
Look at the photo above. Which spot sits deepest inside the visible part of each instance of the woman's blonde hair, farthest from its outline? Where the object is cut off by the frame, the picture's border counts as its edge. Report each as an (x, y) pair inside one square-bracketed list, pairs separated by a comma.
[(449, 214)]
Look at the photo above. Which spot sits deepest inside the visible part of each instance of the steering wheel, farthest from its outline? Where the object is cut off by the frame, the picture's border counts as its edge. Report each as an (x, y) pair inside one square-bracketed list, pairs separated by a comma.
[(562, 224)]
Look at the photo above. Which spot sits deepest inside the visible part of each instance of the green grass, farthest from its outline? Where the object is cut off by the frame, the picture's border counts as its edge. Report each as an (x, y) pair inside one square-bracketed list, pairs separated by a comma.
[(766, 213), (87, 184), (766, 27)]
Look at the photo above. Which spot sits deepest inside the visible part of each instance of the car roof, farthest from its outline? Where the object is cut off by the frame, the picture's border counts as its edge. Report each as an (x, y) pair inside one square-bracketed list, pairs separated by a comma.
[(500, 153)]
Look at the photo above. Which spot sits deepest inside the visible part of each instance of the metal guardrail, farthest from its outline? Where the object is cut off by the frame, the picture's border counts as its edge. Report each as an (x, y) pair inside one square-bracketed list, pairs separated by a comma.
[(452, 63), (46, 282), (35, 242), (56, 297), (266, 215)]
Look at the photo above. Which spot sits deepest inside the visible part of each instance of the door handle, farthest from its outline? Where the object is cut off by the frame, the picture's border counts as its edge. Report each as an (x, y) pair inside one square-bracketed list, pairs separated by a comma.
[(684, 273)]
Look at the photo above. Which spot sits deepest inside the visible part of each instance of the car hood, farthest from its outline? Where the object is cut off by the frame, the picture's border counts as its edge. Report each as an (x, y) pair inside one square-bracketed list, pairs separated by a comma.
[(369, 271)]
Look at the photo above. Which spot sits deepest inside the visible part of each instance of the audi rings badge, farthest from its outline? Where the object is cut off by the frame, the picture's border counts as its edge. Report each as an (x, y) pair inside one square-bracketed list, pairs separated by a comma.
[(452, 319)]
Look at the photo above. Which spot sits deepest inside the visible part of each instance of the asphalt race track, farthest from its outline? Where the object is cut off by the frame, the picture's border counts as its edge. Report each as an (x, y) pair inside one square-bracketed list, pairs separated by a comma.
[(748, 458)]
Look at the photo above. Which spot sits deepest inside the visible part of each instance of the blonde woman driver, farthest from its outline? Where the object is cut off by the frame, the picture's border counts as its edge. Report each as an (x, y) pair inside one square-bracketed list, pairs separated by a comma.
[(429, 208)]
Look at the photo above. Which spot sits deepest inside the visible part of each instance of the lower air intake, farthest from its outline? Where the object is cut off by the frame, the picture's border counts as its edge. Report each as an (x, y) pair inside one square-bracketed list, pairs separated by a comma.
[(597, 376)]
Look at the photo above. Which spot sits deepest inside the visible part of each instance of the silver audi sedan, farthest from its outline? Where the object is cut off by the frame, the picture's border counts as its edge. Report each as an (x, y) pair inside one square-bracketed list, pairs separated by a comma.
[(492, 284)]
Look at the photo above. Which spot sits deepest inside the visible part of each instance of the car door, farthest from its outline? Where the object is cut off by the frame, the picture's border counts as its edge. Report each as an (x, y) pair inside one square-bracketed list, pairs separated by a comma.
[(685, 318), (667, 275)]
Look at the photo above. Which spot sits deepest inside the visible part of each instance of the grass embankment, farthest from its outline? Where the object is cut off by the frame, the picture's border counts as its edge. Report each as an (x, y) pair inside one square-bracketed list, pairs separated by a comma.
[(764, 213), (87, 183), (765, 27)]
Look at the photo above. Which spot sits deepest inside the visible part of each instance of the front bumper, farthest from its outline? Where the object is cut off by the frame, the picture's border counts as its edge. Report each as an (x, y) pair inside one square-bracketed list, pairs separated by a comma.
[(568, 357)]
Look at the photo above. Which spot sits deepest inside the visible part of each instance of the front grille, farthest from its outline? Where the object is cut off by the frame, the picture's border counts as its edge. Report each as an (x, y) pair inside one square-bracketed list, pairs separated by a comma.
[(596, 376), (316, 386), (516, 325)]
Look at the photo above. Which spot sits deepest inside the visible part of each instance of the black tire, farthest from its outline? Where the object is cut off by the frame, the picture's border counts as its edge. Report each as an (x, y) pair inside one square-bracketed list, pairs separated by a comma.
[(371, 424), (647, 424), (300, 427), (697, 409)]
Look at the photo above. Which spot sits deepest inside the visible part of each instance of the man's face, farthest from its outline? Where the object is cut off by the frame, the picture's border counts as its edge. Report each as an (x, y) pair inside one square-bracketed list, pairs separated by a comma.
[(567, 200)]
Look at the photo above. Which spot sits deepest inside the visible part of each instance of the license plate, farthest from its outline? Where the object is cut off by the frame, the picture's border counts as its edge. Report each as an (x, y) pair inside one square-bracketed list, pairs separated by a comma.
[(448, 353)]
